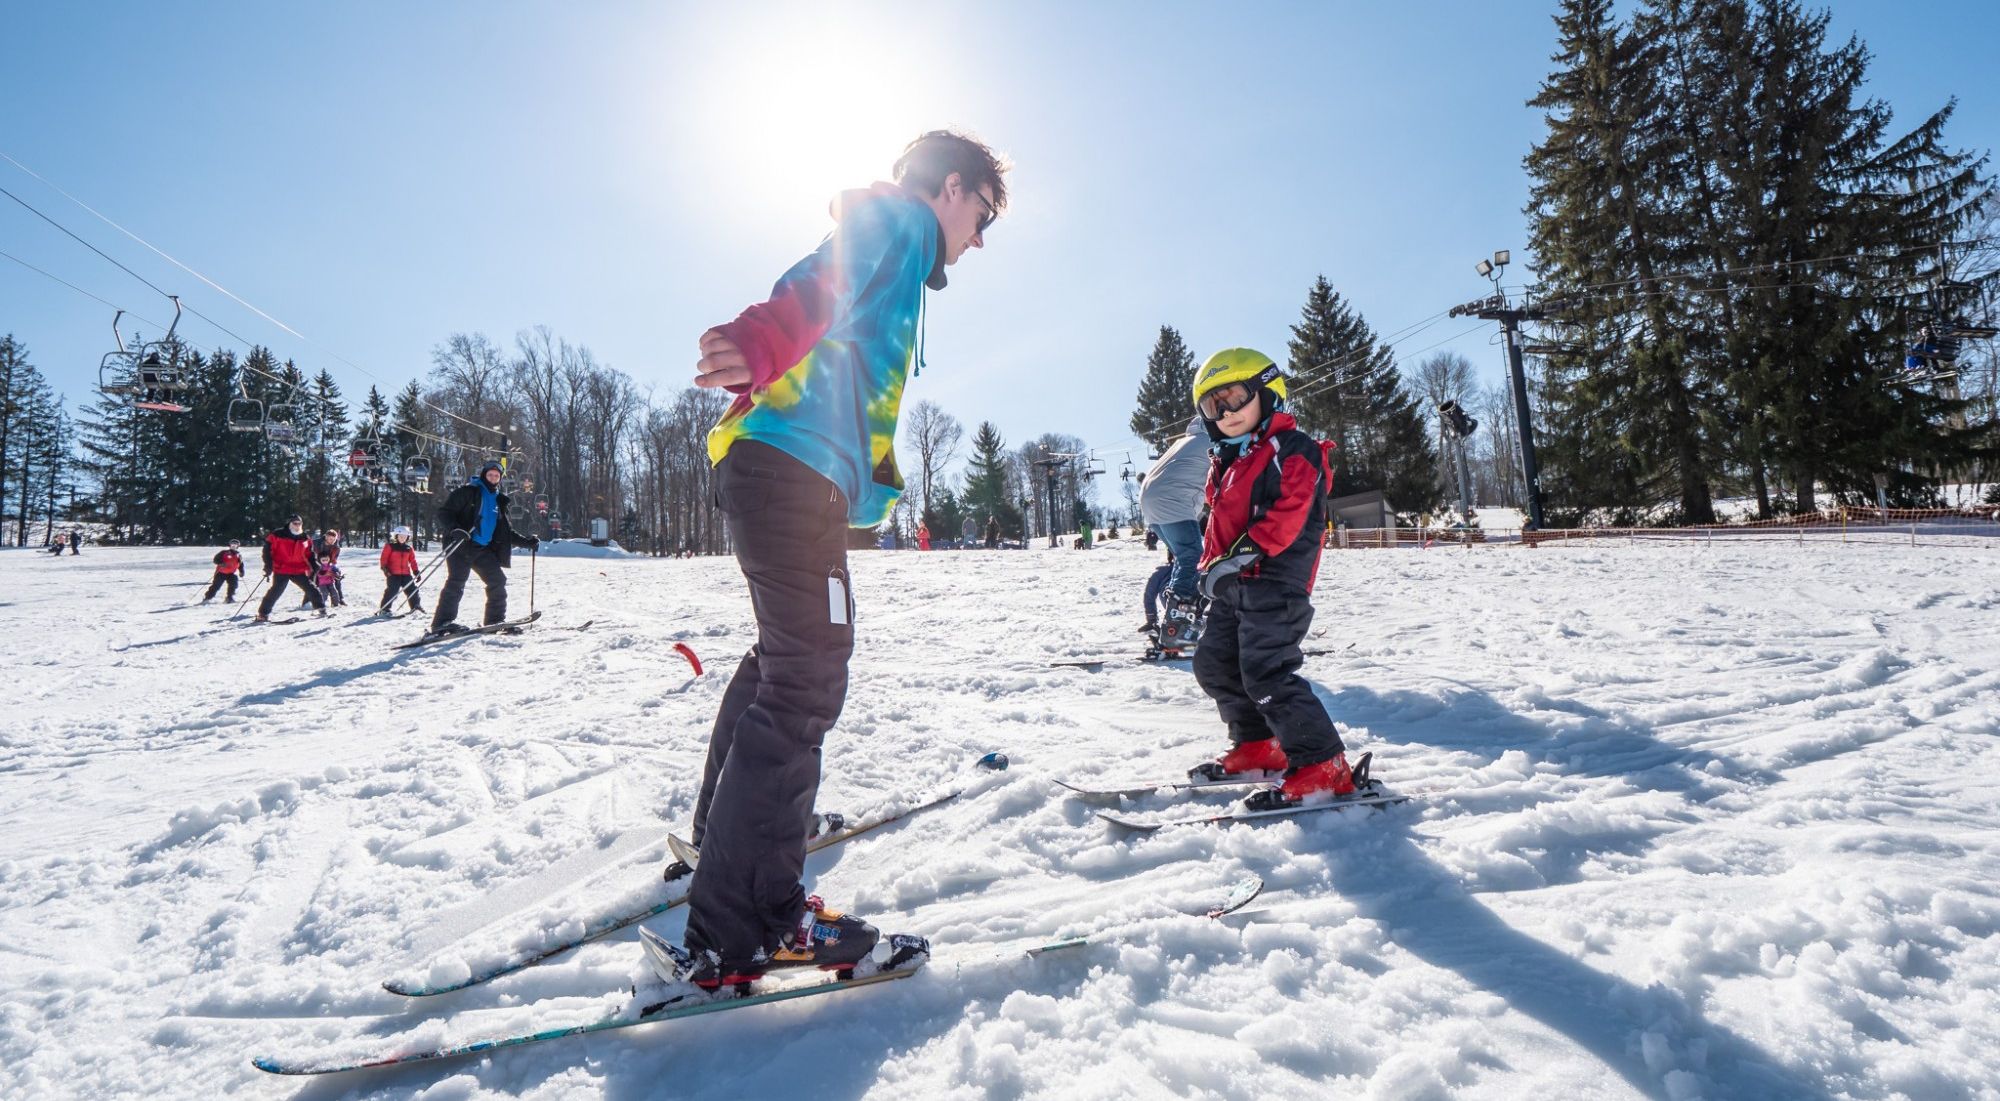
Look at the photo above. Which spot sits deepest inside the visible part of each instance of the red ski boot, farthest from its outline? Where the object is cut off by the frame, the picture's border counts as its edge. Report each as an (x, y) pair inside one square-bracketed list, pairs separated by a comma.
[(1314, 783), (1244, 761)]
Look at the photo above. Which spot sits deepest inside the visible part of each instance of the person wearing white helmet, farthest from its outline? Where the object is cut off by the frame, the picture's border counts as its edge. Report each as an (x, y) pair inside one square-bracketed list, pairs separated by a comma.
[(399, 568)]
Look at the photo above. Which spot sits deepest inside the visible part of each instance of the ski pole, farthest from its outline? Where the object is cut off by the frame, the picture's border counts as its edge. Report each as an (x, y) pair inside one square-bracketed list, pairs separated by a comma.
[(246, 600), (533, 555), (423, 575)]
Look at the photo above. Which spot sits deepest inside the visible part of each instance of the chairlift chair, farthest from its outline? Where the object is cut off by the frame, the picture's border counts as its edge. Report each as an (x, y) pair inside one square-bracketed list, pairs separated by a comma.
[(118, 372), (417, 474), (161, 378), (281, 423), (246, 414)]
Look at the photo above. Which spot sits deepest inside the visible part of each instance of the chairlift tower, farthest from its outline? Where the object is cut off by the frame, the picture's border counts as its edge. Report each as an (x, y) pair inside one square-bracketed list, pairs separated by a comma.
[(1495, 308)]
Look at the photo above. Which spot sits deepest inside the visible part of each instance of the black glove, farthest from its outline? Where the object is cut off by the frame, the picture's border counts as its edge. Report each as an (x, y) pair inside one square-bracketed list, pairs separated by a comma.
[(1223, 570), (456, 535), (532, 542)]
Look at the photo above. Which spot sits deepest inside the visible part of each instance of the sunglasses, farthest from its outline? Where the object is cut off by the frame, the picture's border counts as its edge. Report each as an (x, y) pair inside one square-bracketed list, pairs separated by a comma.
[(992, 213), (1224, 400)]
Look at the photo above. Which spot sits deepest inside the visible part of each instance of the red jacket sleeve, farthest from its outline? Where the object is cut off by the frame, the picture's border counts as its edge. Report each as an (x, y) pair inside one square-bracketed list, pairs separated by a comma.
[(1298, 484), (816, 293)]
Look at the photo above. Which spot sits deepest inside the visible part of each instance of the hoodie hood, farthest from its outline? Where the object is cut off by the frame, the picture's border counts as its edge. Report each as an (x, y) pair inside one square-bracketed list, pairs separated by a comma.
[(882, 189)]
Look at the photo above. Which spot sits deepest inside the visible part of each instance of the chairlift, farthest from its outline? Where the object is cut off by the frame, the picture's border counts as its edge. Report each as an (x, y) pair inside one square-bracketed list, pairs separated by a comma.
[(161, 378), (281, 423), (417, 474), (246, 414), (118, 372)]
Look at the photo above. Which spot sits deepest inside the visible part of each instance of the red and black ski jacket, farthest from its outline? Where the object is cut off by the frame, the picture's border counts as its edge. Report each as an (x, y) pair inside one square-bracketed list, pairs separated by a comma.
[(289, 555), (229, 562), (1269, 495), (399, 560)]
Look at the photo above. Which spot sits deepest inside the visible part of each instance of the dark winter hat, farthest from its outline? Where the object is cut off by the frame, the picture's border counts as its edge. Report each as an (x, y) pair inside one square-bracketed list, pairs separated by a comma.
[(491, 464), (296, 519)]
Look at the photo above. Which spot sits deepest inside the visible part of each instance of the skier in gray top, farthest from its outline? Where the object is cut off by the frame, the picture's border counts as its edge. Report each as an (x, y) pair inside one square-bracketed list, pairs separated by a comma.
[(1170, 500)]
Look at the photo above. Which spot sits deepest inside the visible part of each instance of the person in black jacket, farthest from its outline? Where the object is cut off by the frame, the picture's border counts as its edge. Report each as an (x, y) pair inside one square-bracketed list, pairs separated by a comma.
[(482, 542)]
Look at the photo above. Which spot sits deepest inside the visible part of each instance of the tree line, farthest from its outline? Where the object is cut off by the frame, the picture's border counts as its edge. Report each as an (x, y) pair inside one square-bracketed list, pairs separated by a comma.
[(1739, 245)]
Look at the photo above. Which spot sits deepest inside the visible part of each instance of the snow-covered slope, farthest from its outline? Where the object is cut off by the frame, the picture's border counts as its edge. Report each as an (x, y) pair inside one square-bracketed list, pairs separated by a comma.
[(1695, 822)]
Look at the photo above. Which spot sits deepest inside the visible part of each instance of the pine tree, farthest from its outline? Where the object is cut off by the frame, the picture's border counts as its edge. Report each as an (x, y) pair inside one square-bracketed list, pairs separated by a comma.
[(1345, 387), (988, 487), (1165, 392), (1842, 184), (1607, 207), (16, 374)]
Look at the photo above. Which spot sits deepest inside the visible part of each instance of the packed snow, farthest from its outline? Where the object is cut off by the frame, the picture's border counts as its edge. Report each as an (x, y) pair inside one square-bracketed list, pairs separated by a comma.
[(1687, 822)]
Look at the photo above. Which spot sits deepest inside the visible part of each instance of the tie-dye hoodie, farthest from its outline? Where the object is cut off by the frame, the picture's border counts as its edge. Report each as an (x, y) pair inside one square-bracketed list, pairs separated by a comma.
[(830, 351)]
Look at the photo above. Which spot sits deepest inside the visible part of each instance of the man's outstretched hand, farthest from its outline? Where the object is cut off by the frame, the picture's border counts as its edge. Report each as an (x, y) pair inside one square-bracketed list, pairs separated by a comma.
[(721, 363)]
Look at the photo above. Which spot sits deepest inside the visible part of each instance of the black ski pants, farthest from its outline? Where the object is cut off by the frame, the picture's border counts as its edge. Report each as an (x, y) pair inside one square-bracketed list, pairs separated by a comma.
[(789, 527), (278, 585), (217, 583), (469, 559), (401, 583), (1248, 662)]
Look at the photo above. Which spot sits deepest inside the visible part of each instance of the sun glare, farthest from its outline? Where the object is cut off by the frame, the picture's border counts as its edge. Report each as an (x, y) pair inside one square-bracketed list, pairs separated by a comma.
[(809, 102)]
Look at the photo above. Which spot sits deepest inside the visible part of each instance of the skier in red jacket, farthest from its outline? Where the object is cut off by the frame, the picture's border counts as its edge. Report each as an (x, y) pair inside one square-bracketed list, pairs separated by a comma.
[(399, 568), (228, 568), (288, 556)]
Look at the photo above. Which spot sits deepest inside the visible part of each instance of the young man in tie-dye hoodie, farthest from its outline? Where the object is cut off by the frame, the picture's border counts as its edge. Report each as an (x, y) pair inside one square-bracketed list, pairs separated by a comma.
[(805, 452)]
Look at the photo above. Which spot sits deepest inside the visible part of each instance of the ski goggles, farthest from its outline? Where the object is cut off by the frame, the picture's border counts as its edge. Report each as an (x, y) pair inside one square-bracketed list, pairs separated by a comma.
[(1225, 399)]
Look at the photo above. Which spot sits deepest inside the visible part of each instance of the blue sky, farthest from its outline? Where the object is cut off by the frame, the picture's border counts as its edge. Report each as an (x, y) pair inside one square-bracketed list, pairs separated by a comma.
[(378, 176)]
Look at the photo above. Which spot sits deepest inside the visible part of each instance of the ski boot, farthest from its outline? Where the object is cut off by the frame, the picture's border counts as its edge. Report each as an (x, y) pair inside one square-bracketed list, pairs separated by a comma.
[(1258, 760), (447, 630), (824, 939), (1314, 783), (1182, 628)]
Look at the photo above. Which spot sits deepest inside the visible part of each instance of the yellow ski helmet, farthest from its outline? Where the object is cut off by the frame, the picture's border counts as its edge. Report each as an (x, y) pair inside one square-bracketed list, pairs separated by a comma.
[(1245, 365)]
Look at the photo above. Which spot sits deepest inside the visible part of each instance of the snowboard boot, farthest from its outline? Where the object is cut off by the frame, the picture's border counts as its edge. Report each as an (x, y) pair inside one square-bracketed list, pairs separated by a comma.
[(1315, 783), (1182, 628), (1252, 760)]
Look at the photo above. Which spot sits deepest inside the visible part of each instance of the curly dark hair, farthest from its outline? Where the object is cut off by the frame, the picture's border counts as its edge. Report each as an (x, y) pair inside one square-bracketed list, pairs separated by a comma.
[(938, 153)]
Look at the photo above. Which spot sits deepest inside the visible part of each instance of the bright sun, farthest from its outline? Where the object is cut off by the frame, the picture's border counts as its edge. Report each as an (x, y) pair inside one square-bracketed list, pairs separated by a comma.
[(805, 102)]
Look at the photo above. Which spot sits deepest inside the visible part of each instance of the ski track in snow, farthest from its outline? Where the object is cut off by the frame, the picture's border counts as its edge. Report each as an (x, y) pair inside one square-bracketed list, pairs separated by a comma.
[(1697, 822)]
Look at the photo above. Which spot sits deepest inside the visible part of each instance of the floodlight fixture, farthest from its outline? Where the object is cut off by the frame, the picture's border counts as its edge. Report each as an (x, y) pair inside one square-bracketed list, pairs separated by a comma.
[(1485, 267)]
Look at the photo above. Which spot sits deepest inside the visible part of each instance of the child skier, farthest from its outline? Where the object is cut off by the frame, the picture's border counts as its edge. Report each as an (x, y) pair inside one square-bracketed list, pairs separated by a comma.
[(228, 567), (288, 556), (1266, 495), (328, 576), (399, 568)]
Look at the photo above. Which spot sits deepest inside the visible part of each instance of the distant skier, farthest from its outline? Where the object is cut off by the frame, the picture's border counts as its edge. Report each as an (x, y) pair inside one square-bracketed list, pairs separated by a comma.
[(288, 556), (992, 534), (56, 547), (399, 569), (1266, 495), (328, 575), (792, 476), (228, 568), (923, 536), (1170, 500), (76, 541), (968, 533), (484, 543)]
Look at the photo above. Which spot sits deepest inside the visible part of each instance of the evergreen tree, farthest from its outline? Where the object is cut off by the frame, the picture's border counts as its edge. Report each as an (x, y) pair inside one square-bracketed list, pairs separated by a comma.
[(326, 447), (1607, 208), (17, 377), (1345, 388), (989, 489), (1165, 392)]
